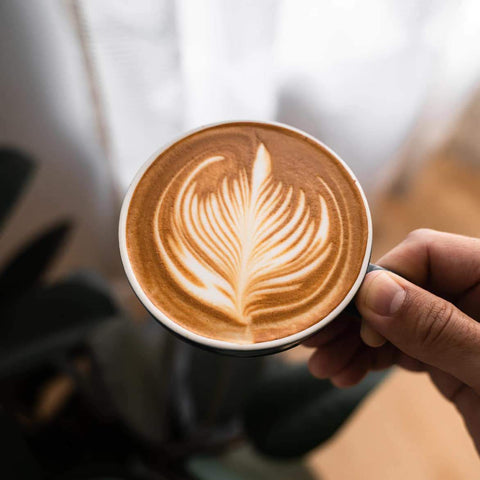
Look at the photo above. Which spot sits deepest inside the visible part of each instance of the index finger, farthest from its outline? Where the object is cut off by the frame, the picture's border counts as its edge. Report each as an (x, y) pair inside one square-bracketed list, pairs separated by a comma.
[(444, 263)]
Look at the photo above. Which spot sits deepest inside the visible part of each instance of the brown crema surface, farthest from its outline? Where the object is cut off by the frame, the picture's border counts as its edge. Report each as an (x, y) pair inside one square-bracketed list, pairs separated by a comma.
[(246, 232)]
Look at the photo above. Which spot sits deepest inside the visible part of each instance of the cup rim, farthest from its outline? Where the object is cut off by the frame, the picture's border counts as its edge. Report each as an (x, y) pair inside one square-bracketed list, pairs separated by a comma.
[(216, 344)]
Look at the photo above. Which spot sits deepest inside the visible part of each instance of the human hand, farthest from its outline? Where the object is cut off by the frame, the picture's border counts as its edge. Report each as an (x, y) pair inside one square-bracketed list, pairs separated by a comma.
[(429, 321)]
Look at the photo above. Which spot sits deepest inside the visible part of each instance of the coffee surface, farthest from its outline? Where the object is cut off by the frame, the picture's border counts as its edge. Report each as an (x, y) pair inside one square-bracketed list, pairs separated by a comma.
[(246, 232)]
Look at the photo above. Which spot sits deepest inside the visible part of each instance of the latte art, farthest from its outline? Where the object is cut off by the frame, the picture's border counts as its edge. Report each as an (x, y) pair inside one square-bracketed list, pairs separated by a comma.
[(246, 234), (233, 248)]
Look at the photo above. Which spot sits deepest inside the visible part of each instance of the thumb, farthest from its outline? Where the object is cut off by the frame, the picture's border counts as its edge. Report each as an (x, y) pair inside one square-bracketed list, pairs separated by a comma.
[(422, 325)]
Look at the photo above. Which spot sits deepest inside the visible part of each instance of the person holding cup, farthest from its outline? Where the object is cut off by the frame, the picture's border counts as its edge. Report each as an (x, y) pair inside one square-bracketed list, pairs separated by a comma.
[(423, 319), (248, 238)]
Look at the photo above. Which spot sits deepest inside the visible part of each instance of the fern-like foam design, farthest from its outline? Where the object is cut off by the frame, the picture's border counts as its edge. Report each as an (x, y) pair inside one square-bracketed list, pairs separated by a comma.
[(249, 239)]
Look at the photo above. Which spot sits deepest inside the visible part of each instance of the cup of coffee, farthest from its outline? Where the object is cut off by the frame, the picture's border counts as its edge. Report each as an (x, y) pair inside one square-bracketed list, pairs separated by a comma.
[(245, 237)]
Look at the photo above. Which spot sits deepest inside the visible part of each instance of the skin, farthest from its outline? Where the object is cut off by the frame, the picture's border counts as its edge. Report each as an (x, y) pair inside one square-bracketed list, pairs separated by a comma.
[(423, 319)]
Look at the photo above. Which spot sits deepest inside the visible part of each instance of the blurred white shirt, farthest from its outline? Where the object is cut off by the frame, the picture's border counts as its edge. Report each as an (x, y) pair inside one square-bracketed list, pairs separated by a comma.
[(356, 74)]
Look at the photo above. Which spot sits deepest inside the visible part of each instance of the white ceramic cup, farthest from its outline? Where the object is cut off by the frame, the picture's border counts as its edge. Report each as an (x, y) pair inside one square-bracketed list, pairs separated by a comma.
[(220, 346)]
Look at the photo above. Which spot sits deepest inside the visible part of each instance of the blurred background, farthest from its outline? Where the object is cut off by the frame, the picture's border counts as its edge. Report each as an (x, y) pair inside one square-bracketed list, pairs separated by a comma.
[(90, 385)]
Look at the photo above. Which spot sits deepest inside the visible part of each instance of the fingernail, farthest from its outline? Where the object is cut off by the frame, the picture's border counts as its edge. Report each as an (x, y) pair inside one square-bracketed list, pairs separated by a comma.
[(382, 294)]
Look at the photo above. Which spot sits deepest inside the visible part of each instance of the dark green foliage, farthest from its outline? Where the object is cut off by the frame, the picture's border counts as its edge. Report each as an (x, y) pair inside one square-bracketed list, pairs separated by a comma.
[(291, 412), (25, 270), (15, 170), (38, 322), (49, 320), (42, 328)]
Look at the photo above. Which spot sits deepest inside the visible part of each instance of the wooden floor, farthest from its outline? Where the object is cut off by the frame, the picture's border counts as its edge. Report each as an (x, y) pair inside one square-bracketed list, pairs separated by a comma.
[(406, 430)]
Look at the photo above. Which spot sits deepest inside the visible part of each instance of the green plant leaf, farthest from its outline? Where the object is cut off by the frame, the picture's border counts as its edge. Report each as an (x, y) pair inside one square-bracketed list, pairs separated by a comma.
[(15, 169), (292, 412), (25, 269), (49, 320)]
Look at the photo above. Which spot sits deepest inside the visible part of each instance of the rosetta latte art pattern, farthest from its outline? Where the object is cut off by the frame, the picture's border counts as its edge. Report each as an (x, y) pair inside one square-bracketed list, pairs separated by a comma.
[(246, 232), (251, 239)]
